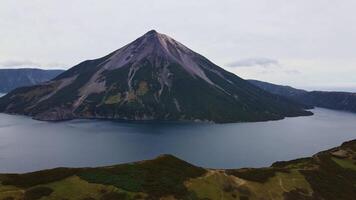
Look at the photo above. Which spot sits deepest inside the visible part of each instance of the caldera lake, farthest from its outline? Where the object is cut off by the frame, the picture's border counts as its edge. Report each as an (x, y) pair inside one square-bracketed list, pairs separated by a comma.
[(30, 145)]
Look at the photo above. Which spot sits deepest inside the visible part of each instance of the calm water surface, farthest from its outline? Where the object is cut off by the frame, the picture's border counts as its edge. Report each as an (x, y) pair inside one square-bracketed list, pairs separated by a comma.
[(28, 145)]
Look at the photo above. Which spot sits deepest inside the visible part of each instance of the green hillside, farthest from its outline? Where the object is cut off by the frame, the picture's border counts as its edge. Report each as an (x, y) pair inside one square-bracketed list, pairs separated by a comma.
[(329, 175)]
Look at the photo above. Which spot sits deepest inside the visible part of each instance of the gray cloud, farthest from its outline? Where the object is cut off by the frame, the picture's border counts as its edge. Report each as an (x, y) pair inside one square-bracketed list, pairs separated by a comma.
[(39, 31), (28, 63), (18, 63), (292, 71), (254, 62)]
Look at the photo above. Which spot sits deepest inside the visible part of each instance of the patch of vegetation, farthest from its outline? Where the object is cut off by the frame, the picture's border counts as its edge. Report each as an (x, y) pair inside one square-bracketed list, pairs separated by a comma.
[(330, 180), (75, 188), (114, 196), (7, 192), (8, 198), (118, 77), (126, 180), (215, 185), (37, 193), (142, 88), (299, 194), (37, 178), (258, 175), (276, 186), (113, 99), (88, 198), (218, 185), (131, 96), (345, 163), (160, 177), (294, 164), (350, 145)]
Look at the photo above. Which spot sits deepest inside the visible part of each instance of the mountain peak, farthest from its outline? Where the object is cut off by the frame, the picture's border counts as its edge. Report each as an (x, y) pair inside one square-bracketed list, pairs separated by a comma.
[(153, 36), (160, 39), (152, 32), (158, 47)]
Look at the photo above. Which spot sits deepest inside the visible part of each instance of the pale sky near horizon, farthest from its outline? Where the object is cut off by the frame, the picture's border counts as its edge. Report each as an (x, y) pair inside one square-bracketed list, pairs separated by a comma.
[(306, 43)]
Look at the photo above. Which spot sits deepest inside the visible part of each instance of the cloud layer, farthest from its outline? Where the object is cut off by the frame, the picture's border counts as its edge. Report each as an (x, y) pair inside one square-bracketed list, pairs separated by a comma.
[(254, 62), (28, 64), (18, 63), (316, 37)]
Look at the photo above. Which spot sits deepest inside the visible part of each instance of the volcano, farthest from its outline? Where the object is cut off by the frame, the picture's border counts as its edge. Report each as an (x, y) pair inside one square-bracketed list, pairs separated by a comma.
[(152, 78)]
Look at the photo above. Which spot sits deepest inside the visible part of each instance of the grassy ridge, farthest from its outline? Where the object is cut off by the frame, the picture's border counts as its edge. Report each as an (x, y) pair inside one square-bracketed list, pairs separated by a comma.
[(160, 177), (328, 175)]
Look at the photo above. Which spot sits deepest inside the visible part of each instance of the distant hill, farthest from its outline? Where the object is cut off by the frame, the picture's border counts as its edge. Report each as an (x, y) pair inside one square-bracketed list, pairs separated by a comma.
[(152, 78), (333, 100), (281, 90), (328, 175), (14, 78)]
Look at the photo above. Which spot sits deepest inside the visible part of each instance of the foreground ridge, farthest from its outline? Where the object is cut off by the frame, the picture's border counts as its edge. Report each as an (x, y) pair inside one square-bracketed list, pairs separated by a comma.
[(327, 175)]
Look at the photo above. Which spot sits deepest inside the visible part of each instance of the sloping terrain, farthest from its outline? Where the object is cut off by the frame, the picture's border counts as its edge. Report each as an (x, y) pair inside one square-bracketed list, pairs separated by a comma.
[(281, 90), (328, 175), (333, 100), (14, 78), (152, 78)]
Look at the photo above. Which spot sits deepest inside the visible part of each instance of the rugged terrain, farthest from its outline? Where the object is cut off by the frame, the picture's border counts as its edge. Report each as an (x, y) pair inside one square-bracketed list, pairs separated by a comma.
[(333, 100), (14, 78), (152, 78), (328, 175)]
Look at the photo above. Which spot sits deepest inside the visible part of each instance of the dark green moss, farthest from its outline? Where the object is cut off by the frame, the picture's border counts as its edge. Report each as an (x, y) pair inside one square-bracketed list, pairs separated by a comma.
[(8, 198), (331, 181), (258, 175), (37, 193), (297, 163), (349, 145), (36, 178), (114, 196), (244, 198), (162, 176), (299, 194)]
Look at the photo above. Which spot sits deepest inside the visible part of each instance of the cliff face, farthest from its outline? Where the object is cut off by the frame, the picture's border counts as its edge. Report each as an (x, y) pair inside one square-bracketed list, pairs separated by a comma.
[(152, 78)]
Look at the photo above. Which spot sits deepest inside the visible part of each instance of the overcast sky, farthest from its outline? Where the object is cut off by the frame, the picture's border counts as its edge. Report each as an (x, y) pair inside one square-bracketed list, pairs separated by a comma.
[(304, 43)]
